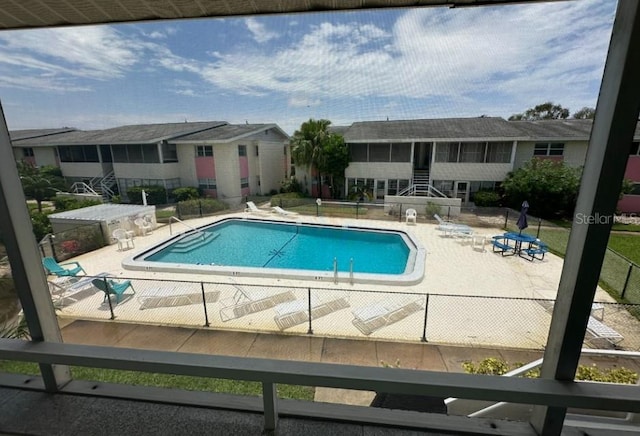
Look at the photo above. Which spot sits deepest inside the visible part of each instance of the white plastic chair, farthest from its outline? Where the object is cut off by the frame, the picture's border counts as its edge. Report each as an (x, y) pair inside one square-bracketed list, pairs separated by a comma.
[(144, 226), (412, 215), (123, 237)]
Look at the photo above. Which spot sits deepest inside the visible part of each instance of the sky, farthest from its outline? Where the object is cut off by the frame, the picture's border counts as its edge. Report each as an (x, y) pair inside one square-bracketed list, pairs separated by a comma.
[(285, 69)]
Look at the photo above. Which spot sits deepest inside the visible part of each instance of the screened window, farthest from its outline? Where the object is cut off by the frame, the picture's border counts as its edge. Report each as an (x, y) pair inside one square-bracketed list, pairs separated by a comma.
[(204, 150), (135, 153), (401, 152), (358, 152), (548, 149), (27, 152), (257, 151), (242, 150), (447, 152), (150, 153), (472, 152), (244, 182), (379, 152), (499, 152), (635, 190), (169, 153), (207, 183), (78, 153)]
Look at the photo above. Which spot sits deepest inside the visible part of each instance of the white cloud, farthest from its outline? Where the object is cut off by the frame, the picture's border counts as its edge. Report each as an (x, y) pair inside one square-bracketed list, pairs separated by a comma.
[(259, 31), (302, 101), (521, 52), (50, 58)]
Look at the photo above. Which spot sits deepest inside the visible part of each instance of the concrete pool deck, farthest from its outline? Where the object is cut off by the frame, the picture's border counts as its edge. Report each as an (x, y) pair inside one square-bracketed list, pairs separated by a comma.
[(454, 272)]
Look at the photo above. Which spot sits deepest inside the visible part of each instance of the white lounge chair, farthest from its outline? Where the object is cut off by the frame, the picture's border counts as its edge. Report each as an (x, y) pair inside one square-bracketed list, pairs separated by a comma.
[(375, 316), (244, 301), (252, 208), (599, 330), (296, 312), (411, 216), (452, 229), (123, 237), (167, 298), (281, 211), (66, 289)]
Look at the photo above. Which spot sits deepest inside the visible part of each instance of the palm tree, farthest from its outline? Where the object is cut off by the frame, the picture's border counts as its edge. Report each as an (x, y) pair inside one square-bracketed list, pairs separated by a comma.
[(307, 145)]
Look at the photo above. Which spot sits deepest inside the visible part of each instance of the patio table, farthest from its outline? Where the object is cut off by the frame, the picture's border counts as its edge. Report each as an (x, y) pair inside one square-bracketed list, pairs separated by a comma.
[(519, 239)]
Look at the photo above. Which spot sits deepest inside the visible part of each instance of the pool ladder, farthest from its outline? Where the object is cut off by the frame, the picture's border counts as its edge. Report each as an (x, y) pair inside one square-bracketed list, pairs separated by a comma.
[(335, 270)]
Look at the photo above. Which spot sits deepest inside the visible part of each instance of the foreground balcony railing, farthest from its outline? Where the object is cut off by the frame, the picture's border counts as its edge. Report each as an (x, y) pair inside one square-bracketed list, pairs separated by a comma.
[(271, 372)]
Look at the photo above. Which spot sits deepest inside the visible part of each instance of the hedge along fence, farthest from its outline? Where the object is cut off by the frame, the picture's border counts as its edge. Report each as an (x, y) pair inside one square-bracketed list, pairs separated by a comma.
[(199, 208), (156, 194)]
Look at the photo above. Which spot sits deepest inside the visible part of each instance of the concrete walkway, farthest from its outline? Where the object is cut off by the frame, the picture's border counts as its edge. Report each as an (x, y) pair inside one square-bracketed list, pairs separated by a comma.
[(300, 348)]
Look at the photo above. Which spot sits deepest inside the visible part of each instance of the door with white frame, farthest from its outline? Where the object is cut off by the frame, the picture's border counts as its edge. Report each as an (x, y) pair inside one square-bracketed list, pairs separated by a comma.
[(461, 191)]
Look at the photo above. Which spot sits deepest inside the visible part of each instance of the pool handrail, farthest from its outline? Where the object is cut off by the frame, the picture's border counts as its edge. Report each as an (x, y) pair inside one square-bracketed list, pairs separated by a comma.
[(185, 224)]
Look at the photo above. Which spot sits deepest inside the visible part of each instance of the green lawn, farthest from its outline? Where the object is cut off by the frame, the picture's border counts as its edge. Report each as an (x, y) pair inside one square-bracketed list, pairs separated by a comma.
[(237, 387), (627, 245)]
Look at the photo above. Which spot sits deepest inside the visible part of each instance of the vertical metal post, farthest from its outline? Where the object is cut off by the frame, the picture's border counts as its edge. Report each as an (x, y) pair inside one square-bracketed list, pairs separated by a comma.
[(106, 287), (53, 247), (539, 223), (357, 208), (426, 311), (270, 403), (506, 219), (607, 155), (204, 305), (400, 214), (310, 330), (448, 213), (200, 207), (626, 281)]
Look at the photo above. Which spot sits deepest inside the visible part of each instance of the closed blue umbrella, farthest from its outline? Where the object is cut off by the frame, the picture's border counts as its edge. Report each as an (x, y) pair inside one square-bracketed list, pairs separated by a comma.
[(522, 219)]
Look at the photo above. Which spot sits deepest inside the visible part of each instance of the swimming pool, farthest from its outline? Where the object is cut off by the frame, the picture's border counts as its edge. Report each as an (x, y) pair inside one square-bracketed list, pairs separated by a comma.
[(266, 248)]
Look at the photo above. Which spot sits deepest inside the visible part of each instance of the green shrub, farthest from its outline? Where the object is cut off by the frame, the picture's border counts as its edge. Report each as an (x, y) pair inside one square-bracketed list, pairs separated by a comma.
[(186, 193), (488, 366), (497, 366), (432, 209), (289, 199), (198, 207), (290, 184), (41, 224), (156, 194), (486, 199), (71, 203)]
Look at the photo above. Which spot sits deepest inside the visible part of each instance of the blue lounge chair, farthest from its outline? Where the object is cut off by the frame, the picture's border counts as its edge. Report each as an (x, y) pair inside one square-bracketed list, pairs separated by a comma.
[(110, 287), (57, 269)]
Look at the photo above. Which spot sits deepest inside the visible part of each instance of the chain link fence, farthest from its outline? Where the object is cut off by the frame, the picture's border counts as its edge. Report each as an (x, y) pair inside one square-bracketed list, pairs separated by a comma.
[(440, 318), (73, 242)]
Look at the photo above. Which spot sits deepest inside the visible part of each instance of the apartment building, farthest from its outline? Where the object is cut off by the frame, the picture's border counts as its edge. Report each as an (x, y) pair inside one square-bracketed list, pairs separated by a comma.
[(226, 161)]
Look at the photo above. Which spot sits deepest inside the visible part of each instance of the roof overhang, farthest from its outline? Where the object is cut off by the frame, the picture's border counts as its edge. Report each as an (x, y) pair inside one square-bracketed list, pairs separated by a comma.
[(23, 14)]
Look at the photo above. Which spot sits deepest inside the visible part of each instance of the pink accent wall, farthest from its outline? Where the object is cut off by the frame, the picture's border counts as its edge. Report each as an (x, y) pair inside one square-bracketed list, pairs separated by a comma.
[(244, 166), (629, 204), (205, 167), (244, 173), (633, 169)]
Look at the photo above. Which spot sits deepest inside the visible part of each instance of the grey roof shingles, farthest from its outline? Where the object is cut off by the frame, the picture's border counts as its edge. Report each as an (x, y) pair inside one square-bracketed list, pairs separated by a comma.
[(440, 128), (224, 133), (133, 134), (19, 135)]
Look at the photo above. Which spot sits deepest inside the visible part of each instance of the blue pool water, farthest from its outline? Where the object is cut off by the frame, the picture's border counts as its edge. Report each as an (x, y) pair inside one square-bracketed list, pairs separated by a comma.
[(257, 244)]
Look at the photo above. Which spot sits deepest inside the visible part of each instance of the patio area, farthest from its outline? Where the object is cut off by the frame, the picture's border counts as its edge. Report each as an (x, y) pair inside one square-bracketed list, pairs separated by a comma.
[(469, 295)]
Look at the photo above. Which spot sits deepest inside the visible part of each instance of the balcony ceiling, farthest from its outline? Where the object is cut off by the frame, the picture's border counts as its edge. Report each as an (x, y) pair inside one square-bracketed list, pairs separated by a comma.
[(23, 14)]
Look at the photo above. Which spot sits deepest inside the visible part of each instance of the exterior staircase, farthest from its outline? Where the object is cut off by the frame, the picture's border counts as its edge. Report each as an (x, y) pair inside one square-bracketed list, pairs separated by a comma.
[(420, 186), (103, 186)]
